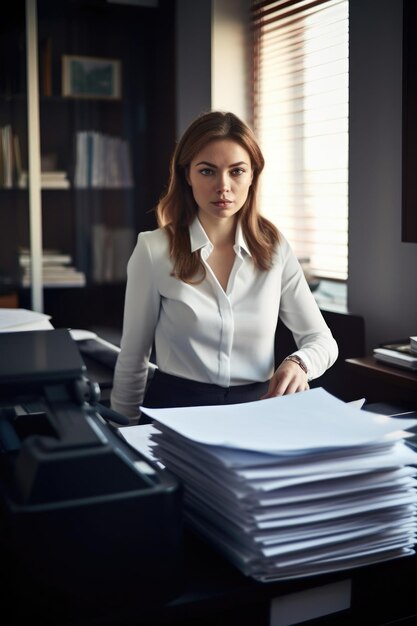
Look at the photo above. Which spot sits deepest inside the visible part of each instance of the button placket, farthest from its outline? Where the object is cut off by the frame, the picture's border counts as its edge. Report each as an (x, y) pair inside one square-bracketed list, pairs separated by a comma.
[(226, 320)]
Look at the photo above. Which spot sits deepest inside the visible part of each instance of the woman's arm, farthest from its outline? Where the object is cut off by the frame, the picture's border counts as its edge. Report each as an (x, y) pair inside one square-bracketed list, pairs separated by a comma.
[(316, 347), (141, 312)]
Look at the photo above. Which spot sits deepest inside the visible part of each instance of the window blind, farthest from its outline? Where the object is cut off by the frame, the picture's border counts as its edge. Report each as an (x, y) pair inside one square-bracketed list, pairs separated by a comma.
[(300, 116)]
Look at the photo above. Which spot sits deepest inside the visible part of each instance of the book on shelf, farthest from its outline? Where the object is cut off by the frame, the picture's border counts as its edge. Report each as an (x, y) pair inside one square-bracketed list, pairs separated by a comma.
[(102, 161), (403, 346), (57, 269), (10, 157), (69, 278), (111, 250), (397, 353), (49, 180), (49, 257), (74, 282), (52, 271), (46, 66)]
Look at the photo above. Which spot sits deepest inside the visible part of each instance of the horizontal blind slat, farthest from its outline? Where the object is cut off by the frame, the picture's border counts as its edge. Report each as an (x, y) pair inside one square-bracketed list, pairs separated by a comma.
[(301, 119)]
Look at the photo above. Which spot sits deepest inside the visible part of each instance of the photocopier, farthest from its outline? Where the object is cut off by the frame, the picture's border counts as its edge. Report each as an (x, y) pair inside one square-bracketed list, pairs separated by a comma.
[(84, 517)]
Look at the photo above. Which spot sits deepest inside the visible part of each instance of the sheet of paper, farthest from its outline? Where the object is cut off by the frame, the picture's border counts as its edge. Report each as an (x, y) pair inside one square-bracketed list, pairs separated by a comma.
[(296, 422), (358, 536), (357, 403), (326, 529), (40, 325), (250, 465), (139, 437), (79, 334), (239, 527), (12, 320), (273, 569)]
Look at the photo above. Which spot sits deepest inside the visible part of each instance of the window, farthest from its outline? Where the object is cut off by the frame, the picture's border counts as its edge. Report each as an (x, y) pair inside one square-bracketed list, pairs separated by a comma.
[(300, 115)]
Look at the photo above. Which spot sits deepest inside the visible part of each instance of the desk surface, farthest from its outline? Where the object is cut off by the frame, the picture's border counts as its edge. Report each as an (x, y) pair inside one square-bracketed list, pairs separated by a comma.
[(213, 592), (205, 590), (399, 376)]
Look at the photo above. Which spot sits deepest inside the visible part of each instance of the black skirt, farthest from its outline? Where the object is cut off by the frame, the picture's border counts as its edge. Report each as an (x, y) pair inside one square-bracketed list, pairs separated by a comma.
[(166, 391)]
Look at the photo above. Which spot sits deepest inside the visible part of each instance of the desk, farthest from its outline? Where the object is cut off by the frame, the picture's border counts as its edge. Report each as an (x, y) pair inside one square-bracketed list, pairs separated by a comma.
[(210, 591), (379, 382), (215, 593)]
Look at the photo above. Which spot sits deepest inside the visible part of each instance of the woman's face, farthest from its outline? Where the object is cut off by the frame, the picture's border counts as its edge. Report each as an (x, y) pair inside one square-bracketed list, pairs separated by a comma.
[(220, 176)]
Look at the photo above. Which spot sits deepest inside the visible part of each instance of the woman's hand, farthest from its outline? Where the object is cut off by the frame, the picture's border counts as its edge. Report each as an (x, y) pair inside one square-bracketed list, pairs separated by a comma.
[(288, 378)]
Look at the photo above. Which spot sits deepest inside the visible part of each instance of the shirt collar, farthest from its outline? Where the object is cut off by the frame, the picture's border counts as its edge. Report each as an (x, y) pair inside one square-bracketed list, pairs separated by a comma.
[(199, 238), (240, 242)]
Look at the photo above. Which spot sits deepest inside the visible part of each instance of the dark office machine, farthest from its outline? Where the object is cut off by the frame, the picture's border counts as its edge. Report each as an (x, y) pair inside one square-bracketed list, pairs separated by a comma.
[(83, 516)]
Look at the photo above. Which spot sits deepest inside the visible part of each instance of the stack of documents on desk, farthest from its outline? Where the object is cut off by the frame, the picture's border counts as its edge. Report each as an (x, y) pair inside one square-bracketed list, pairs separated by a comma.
[(293, 486), (13, 320)]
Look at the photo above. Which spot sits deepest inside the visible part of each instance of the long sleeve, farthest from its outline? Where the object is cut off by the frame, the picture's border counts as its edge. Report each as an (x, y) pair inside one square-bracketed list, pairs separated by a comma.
[(301, 314), (142, 302)]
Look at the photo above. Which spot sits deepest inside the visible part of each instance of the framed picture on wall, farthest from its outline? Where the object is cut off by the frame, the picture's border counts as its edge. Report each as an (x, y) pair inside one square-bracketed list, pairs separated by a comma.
[(91, 77)]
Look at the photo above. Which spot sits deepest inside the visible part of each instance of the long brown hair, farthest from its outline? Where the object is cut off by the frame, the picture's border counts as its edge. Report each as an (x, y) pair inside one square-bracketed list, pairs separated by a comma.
[(177, 208)]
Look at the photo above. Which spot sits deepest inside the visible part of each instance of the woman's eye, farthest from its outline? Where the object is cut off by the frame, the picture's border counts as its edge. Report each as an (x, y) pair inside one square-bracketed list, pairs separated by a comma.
[(206, 171), (238, 171)]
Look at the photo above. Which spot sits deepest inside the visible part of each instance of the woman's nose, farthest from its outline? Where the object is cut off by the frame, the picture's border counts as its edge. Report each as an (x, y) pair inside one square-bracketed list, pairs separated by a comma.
[(223, 183)]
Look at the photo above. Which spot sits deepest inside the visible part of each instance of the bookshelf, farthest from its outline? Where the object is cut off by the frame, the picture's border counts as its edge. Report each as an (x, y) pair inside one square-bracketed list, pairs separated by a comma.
[(107, 128)]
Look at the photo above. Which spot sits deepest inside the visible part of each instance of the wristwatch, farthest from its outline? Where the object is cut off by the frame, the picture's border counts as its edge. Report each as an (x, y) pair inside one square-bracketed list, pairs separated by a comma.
[(298, 360)]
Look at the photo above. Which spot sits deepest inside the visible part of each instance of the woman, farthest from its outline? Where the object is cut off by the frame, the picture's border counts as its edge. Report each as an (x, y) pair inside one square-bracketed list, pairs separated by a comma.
[(206, 288)]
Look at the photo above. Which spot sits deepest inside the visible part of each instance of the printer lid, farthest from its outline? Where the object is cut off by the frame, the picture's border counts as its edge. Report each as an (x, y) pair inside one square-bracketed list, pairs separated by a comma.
[(39, 355)]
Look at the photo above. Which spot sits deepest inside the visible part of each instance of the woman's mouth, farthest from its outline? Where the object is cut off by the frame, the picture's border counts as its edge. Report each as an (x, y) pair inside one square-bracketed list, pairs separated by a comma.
[(222, 204)]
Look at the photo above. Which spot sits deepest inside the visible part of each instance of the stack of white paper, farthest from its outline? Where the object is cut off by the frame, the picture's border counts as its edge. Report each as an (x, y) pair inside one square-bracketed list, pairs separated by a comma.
[(293, 486), (12, 320)]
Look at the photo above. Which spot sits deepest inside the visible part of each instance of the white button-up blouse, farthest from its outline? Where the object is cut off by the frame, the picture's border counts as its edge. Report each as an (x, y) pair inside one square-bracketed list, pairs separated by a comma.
[(206, 334)]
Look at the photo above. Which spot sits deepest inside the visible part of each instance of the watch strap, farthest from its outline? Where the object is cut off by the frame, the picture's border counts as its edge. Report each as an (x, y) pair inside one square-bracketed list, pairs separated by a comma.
[(296, 359)]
